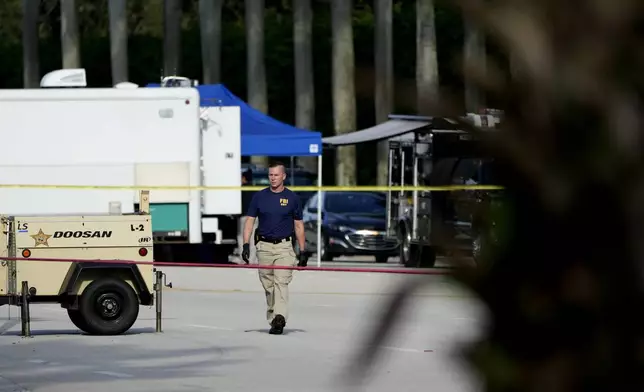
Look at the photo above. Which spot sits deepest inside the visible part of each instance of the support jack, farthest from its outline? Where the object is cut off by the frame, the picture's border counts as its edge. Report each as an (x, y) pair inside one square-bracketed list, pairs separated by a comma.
[(158, 291), (25, 318)]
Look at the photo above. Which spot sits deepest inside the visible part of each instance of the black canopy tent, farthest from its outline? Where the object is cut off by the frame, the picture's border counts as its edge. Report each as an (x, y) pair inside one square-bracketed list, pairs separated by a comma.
[(406, 126), (447, 147)]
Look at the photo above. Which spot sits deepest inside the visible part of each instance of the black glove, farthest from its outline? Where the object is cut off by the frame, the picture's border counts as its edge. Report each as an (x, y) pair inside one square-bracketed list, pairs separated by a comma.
[(302, 260), (245, 253)]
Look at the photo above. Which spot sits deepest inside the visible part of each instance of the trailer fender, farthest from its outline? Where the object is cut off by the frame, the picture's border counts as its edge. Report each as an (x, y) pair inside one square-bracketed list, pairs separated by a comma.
[(80, 275)]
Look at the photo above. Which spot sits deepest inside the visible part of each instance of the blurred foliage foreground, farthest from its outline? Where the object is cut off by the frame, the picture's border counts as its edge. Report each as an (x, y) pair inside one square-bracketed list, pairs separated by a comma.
[(565, 290)]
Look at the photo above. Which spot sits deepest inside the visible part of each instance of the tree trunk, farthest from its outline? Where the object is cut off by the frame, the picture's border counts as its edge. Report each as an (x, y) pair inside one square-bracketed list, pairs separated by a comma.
[(172, 37), (257, 94), (304, 86), (384, 78), (344, 100), (30, 57), (473, 56), (69, 39), (210, 23), (118, 40), (427, 83)]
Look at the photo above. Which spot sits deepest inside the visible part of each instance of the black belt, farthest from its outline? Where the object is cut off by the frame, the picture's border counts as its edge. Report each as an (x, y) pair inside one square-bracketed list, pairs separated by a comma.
[(273, 240)]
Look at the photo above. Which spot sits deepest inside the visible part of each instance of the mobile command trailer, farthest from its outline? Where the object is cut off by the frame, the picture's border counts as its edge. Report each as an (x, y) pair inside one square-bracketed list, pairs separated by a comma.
[(426, 224), (125, 137), (100, 297)]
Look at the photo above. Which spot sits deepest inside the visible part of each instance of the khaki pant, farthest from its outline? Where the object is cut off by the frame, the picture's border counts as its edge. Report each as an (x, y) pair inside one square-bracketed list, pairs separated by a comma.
[(276, 281)]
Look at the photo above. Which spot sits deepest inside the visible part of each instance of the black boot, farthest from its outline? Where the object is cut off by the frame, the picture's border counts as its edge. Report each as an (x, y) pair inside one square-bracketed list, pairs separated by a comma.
[(277, 325)]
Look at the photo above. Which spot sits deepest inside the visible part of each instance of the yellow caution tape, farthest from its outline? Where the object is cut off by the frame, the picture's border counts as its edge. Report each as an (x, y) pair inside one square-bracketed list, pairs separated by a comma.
[(258, 188)]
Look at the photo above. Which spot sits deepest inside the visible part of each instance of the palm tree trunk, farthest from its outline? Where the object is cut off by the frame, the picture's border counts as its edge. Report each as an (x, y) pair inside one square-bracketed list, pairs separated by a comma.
[(384, 78), (427, 83), (304, 86), (70, 41), (257, 94), (210, 23), (344, 99), (172, 37), (118, 40), (30, 57), (474, 56)]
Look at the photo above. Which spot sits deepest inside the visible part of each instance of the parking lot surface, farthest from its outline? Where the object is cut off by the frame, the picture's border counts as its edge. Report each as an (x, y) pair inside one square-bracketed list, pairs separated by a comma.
[(215, 339)]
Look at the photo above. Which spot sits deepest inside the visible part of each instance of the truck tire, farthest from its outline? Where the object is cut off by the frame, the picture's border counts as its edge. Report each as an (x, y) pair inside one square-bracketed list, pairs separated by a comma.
[(404, 246), (421, 256), (77, 319), (109, 306), (427, 256), (382, 259)]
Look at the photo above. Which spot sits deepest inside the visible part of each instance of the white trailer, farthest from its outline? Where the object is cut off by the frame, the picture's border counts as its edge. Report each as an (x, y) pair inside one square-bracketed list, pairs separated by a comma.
[(124, 136)]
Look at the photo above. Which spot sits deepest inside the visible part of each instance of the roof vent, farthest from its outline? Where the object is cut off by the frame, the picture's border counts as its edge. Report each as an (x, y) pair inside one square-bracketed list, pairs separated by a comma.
[(178, 81), (69, 77), (126, 85)]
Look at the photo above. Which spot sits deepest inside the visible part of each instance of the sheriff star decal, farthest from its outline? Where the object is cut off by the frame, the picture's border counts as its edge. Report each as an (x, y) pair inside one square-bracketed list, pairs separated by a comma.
[(40, 238)]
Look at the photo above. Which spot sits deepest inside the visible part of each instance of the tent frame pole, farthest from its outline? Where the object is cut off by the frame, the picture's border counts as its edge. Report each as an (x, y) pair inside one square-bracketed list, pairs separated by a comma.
[(319, 212)]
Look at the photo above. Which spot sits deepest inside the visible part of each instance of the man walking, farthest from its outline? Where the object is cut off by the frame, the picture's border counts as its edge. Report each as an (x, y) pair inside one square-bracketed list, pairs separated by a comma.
[(280, 219)]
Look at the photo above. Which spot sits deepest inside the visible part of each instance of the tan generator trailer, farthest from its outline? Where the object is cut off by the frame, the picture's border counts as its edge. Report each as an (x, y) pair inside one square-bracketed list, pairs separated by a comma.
[(102, 296)]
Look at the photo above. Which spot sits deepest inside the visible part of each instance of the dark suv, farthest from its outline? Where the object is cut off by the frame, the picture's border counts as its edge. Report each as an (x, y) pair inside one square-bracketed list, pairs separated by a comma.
[(353, 223)]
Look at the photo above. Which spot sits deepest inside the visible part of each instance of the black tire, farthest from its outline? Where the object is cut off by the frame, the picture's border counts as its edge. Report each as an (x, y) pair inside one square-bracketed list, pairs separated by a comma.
[(326, 256), (477, 249), (382, 259), (77, 319), (404, 248), (427, 256), (94, 302), (421, 256)]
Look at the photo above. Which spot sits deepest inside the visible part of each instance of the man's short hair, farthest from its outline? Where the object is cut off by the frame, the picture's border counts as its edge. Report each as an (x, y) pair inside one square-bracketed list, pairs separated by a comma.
[(276, 164)]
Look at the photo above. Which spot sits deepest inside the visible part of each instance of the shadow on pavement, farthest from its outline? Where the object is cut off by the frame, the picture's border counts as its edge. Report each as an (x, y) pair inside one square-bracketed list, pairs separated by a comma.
[(60, 332), (34, 364)]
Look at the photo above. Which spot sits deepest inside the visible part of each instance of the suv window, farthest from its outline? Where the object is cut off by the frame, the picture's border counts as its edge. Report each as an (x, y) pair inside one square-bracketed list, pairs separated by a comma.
[(359, 203), (261, 178)]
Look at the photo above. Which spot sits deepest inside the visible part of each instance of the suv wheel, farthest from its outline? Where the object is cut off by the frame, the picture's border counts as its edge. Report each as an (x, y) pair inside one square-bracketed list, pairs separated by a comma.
[(324, 253)]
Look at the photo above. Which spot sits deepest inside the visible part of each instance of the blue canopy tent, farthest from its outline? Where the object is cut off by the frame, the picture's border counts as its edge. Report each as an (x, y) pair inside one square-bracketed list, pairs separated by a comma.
[(265, 136), (261, 134)]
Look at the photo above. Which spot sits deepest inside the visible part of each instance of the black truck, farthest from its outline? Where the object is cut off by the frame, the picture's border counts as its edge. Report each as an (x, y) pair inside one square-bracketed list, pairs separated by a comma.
[(434, 223)]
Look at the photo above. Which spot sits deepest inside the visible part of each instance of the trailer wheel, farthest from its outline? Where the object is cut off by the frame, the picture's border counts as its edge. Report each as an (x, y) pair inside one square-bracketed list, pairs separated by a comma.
[(421, 256), (404, 247), (77, 319), (109, 306)]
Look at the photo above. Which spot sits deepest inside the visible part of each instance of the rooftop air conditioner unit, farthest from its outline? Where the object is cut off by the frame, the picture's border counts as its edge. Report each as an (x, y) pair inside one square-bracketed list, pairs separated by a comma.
[(61, 78), (126, 85), (178, 81)]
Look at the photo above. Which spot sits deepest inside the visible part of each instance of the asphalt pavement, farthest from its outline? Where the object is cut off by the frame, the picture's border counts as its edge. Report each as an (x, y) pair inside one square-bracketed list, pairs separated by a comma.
[(215, 339)]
